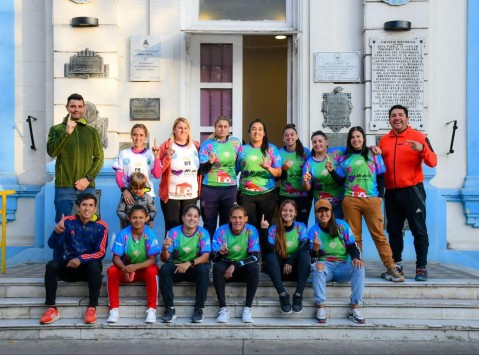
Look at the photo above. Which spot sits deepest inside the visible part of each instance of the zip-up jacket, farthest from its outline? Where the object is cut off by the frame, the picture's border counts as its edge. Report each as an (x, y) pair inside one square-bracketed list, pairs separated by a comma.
[(83, 241), (403, 164), (78, 154), (165, 177)]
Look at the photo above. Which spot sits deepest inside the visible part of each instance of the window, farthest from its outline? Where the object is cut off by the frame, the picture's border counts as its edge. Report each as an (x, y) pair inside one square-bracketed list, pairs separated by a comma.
[(242, 10)]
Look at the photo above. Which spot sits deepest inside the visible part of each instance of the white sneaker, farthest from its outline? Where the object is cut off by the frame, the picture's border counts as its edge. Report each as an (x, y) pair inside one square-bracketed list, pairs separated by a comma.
[(223, 316), (150, 315), (247, 318), (114, 315)]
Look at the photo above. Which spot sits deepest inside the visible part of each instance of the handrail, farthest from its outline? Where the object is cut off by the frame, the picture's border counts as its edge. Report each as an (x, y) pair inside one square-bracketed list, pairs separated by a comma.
[(3, 213)]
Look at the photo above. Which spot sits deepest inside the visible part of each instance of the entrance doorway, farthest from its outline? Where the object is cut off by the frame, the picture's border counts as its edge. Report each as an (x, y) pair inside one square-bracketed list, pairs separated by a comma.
[(265, 84)]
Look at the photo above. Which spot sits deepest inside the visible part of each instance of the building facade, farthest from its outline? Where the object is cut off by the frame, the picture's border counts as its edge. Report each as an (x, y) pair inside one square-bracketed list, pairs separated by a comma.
[(150, 61)]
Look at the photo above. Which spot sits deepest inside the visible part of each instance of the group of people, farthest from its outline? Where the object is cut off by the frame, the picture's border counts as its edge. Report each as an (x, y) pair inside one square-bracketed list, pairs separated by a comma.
[(343, 184)]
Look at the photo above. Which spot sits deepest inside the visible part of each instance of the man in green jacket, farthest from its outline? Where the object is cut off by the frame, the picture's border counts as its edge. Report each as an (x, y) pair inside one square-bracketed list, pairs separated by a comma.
[(79, 154)]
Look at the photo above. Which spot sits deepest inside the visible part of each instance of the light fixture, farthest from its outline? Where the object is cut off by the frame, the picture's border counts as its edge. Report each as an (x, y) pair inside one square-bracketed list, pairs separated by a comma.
[(84, 22), (280, 37), (397, 25)]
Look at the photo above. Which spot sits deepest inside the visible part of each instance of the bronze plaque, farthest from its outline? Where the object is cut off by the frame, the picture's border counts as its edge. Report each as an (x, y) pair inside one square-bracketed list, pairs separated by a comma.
[(336, 109), (145, 109)]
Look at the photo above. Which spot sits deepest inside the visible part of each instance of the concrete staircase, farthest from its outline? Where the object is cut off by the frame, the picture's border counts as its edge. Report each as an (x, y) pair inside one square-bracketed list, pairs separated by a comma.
[(440, 309)]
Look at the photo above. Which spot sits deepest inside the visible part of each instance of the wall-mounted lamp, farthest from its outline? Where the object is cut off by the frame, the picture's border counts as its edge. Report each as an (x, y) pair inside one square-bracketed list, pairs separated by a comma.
[(84, 22), (397, 25), (280, 37)]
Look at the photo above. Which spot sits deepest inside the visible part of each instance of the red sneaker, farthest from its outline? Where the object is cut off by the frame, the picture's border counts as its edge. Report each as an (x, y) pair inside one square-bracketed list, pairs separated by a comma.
[(51, 315), (90, 315)]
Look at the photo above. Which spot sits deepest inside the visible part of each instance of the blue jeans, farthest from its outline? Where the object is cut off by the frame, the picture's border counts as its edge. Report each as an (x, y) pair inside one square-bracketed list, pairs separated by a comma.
[(339, 272), (65, 198)]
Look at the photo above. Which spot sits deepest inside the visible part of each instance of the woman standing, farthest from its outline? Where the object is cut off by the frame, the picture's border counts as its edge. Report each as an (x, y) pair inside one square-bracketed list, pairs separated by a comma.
[(134, 258), (362, 174), (294, 155), (259, 163), (289, 255), (185, 254), (316, 172), (179, 185), (217, 165), (138, 158)]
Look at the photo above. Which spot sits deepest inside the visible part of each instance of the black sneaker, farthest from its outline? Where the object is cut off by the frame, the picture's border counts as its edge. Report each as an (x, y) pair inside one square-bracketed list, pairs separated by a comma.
[(297, 303), (284, 303), (170, 315), (197, 316), (421, 274)]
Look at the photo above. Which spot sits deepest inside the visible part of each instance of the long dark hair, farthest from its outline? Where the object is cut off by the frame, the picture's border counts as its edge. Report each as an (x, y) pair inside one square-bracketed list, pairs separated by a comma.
[(280, 237), (299, 144), (317, 133), (349, 148), (265, 143)]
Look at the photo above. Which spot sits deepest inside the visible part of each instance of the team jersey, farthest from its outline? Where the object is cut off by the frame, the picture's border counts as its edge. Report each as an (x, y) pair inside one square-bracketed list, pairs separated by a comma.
[(294, 237), (184, 173), (255, 180), (334, 248), (185, 248), (135, 251), (223, 171), (239, 245), (292, 185), (361, 175), (322, 183), (131, 162)]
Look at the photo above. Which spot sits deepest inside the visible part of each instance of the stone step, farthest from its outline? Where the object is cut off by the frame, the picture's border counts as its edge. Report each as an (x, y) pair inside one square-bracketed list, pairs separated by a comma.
[(135, 307), (262, 328), (375, 288)]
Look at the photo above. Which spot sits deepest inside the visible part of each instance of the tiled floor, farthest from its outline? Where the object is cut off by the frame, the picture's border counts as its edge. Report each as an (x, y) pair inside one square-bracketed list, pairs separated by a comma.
[(373, 270)]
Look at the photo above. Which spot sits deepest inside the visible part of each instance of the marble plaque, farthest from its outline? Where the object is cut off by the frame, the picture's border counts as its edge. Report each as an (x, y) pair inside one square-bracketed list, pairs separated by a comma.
[(337, 67), (145, 58), (336, 109), (397, 77), (337, 139), (86, 64), (145, 109)]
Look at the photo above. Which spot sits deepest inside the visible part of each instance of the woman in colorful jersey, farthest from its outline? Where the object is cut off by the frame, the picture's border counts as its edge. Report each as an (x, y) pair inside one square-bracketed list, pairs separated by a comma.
[(336, 257), (316, 172), (217, 165), (259, 163), (235, 252), (362, 175), (294, 155), (134, 259), (288, 257), (185, 255), (179, 185), (138, 158)]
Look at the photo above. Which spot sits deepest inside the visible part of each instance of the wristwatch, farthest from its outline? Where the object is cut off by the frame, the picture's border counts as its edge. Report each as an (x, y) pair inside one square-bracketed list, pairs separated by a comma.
[(89, 178), (123, 189), (192, 262)]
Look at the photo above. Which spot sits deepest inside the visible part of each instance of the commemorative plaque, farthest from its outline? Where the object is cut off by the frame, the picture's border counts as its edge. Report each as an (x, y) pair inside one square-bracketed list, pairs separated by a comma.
[(397, 77), (336, 109), (86, 64), (337, 67), (145, 58), (337, 139), (147, 109)]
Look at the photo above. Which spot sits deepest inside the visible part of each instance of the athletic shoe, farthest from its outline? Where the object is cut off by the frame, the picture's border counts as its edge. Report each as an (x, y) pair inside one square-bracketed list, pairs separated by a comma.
[(197, 316), (393, 275), (421, 274), (297, 303), (321, 315), (90, 315), (399, 268), (170, 315), (284, 303), (355, 316), (114, 315), (51, 315), (150, 315), (246, 315), (223, 315)]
